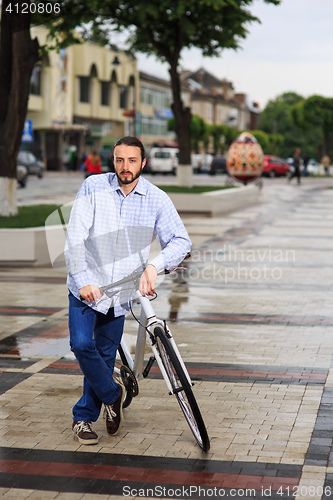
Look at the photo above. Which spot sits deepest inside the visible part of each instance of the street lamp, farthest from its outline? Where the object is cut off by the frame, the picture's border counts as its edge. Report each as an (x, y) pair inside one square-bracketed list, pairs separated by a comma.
[(132, 112)]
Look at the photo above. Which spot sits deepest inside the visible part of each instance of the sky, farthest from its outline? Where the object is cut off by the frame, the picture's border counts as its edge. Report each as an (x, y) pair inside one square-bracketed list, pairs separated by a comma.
[(291, 50)]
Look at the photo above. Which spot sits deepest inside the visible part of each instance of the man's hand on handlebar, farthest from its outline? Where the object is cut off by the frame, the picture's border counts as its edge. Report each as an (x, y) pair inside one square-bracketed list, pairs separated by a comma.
[(90, 293), (148, 280)]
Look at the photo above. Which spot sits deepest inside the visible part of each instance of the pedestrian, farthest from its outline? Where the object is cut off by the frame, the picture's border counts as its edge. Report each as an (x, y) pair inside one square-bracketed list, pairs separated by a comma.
[(110, 231), (326, 162), (306, 160), (93, 164), (297, 166)]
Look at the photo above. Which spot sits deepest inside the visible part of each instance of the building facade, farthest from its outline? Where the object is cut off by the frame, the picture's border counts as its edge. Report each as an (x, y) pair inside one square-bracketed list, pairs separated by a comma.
[(84, 97), (216, 102), (155, 103)]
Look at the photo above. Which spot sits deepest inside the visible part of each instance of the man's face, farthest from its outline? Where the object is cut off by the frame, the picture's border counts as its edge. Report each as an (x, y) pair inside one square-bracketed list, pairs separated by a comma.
[(128, 163)]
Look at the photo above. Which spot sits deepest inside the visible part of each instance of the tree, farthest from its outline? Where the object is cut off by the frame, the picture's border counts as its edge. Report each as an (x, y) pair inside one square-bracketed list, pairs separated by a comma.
[(158, 27), (199, 131), (163, 28), (223, 136), (278, 119), (18, 55), (314, 116)]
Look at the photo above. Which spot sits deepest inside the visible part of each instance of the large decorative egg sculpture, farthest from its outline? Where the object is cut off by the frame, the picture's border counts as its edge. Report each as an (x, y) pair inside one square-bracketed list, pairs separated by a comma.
[(245, 158)]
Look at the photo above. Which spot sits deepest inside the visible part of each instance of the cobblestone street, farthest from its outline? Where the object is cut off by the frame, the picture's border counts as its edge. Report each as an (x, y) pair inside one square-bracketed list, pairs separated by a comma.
[(252, 316)]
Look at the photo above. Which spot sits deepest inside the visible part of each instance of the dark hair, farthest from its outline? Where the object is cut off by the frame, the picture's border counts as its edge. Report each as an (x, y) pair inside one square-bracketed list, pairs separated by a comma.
[(131, 141)]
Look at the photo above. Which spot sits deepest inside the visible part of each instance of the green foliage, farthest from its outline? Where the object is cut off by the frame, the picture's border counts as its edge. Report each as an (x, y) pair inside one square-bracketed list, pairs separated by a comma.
[(283, 119), (28, 216), (163, 28), (262, 138), (158, 27), (223, 136), (200, 132), (314, 116)]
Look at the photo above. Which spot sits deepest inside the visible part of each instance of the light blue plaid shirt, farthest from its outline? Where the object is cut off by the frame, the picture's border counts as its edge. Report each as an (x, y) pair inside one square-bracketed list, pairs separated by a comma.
[(109, 236)]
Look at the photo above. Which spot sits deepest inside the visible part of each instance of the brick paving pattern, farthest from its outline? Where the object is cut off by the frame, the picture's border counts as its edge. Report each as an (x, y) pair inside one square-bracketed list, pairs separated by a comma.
[(252, 317)]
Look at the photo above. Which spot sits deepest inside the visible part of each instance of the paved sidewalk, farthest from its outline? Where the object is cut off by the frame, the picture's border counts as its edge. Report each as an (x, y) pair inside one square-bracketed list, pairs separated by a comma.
[(252, 317)]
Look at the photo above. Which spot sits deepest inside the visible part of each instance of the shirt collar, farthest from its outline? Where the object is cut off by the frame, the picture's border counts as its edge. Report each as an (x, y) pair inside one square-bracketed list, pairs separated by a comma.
[(140, 188)]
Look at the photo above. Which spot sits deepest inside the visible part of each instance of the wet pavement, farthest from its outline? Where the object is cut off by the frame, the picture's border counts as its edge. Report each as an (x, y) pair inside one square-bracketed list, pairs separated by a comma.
[(251, 314)]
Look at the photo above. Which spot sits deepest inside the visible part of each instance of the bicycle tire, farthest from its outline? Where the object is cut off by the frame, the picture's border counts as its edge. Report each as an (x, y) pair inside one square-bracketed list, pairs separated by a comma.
[(182, 388)]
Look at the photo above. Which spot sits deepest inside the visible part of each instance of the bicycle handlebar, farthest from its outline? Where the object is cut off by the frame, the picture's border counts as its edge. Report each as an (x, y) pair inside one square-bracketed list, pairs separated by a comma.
[(134, 277)]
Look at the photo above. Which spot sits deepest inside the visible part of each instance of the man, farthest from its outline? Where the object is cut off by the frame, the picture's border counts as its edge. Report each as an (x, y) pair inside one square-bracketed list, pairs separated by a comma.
[(113, 220), (297, 166)]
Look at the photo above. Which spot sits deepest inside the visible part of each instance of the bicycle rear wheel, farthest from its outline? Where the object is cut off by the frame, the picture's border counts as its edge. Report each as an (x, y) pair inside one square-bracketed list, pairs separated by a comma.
[(182, 389)]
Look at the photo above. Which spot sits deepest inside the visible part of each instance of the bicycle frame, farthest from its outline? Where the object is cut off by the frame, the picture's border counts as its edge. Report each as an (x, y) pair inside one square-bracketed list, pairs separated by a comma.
[(168, 358), (148, 321)]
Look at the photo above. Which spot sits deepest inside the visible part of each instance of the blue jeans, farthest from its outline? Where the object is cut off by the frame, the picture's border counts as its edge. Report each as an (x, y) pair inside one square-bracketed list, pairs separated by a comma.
[(94, 339)]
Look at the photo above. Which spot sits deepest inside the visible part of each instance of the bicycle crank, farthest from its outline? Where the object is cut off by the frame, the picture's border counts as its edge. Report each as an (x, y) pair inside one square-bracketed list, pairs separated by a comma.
[(129, 381)]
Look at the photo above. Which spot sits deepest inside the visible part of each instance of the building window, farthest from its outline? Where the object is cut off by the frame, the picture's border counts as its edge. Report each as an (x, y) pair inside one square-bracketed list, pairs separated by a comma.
[(36, 81), (84, 88), (155, 97), (123, 96), (105, 93), (154, 126)]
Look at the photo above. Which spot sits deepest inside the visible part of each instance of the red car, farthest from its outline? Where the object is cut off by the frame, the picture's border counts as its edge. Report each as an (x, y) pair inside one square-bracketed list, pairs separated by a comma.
[(274, 166)]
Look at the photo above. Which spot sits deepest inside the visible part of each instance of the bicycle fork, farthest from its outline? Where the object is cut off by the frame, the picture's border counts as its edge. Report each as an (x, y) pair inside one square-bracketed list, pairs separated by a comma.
[(149, 318)]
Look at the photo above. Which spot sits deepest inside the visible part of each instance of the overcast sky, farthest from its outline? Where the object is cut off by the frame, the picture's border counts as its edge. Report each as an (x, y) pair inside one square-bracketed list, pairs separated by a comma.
[(291, 50)]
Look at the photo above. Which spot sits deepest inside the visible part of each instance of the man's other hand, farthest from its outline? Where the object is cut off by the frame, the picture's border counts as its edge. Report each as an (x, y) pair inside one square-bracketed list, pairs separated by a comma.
[(90, 293), (148, 280)]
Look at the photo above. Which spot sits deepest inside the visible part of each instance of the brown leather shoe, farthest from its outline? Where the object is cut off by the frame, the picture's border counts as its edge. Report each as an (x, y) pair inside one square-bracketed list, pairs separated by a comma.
[(84, 433), (114, 413)]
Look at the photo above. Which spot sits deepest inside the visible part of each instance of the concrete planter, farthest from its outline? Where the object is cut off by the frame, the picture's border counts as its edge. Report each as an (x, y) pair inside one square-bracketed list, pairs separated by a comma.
[(24, 247), (28, 247), (216, 202)]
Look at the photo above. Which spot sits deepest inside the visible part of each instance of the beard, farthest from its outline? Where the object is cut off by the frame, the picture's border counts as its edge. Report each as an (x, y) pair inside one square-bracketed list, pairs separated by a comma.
[(129, 179)]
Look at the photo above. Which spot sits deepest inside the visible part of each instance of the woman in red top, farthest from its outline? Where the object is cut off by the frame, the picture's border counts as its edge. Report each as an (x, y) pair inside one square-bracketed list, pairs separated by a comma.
[(93, 164)]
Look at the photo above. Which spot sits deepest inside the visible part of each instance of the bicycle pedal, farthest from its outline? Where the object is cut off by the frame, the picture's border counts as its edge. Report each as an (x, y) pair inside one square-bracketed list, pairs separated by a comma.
[(148, 366)]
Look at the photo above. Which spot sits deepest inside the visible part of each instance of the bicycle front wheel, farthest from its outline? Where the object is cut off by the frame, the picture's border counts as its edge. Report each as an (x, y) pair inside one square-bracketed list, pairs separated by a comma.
[(182, 389)]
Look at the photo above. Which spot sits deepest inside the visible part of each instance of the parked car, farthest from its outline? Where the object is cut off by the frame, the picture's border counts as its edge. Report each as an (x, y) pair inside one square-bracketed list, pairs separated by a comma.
[(219, 164), (201, 163), (275, 166), (32, 164), (164, 160), (21, 175)]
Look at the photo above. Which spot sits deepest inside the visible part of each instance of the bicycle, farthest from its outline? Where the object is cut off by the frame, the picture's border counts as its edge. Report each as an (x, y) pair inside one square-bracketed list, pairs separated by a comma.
[(165, 353)]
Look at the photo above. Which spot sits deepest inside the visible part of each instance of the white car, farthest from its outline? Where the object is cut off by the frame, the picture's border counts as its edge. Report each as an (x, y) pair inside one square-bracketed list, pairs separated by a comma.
[(313, 167), (201, 162), (164, 160)]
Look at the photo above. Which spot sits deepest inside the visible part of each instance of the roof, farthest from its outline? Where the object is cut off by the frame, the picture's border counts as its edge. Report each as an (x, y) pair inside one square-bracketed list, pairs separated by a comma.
[(204, 78), (153, 79)]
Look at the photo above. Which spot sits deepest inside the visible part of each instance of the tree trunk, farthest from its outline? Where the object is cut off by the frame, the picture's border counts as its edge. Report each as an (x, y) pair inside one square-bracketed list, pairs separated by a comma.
[(18, 55), (183, 117)]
